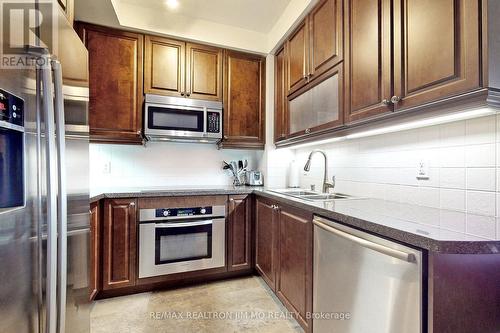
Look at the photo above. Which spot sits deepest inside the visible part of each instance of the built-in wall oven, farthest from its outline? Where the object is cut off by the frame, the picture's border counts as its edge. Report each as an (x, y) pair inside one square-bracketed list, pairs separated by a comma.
[(181, 239)]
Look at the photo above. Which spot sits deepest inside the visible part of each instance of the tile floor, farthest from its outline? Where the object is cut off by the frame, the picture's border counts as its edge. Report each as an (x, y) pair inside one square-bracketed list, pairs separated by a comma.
[(241, 305)]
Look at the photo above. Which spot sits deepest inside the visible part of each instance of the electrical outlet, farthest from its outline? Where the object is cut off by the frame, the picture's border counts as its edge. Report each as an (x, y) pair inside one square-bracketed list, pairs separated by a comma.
[(423, 170), (106, 167)]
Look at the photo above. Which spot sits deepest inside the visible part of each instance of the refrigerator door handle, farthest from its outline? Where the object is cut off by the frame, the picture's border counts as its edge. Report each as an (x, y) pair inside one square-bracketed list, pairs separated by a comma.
[(48, 110), (62, 214)]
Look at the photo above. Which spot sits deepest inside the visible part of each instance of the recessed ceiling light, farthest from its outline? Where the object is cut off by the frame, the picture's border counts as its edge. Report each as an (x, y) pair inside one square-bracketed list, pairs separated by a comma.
[(172, 4)]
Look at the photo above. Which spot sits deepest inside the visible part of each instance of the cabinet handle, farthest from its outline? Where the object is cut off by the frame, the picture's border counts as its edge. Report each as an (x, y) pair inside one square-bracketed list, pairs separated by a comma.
[(386, 101), (308, 130), (132, 204), (395, 99), (225, 137)]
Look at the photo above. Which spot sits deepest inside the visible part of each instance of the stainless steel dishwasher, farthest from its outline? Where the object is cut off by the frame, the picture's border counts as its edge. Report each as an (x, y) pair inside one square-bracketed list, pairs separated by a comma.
[(364, 283)]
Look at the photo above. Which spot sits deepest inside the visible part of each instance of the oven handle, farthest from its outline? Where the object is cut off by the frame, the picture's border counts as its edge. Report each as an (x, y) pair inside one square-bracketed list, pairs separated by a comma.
[(180, 225)]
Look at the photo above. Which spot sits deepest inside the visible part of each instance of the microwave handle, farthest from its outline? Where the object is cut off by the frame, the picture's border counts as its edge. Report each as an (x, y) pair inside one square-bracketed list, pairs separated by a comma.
[(185, 224)]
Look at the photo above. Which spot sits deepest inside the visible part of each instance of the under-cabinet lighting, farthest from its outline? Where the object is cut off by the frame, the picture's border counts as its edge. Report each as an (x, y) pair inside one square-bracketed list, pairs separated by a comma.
[(423, 123), (172, 4), (404, 127)]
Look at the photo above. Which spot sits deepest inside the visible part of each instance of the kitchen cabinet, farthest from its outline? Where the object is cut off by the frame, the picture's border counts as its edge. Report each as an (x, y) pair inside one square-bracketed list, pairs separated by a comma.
[(283, 255), (368, 75), (164, 66), (239, 247), (316, 45), (294, 269), (436, 50), (116, 84), (180, 69), (244, 100), (280, 99), (266, 240), (204, 72), (119, 243), (297, 58), (95, 249)]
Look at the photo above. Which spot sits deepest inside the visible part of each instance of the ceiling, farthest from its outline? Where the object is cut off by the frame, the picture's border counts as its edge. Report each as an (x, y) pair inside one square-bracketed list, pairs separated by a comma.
[(255, 15)]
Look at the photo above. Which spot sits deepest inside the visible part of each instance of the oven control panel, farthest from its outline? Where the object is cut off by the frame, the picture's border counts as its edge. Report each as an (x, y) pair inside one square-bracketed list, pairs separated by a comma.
[(213, 122), (191, 211), (11, 108)]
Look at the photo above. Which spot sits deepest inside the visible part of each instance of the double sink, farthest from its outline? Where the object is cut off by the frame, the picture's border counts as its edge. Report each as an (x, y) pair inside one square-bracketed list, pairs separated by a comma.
[(315, 196)]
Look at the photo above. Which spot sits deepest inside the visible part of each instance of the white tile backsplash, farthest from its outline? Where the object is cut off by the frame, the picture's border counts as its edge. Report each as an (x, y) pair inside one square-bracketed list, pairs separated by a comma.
[(463, 158), (481, 179)]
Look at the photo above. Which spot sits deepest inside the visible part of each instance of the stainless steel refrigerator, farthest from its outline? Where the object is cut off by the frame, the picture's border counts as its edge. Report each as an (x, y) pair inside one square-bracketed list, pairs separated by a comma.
[(44, 197)]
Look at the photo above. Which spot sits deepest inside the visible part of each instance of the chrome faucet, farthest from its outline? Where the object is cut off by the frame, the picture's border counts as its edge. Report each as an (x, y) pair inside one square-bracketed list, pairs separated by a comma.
[(326, 184)]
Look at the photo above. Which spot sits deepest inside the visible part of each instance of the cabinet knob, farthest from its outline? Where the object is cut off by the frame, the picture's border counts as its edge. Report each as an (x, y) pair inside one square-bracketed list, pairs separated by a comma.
[(182, 93), (386, 101), (308, 130), (188, 94), (395, 99)]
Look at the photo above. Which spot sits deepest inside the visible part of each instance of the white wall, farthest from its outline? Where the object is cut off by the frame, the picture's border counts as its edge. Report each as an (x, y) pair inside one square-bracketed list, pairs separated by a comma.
[(162, 164), (464, 168)]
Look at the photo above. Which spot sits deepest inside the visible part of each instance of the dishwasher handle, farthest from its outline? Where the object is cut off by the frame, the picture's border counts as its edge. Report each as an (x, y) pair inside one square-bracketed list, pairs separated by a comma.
[(401, 255)]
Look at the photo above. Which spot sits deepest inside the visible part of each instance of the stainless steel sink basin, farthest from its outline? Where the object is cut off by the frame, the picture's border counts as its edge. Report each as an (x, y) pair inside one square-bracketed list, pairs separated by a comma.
[(325, 197), (315, 196)]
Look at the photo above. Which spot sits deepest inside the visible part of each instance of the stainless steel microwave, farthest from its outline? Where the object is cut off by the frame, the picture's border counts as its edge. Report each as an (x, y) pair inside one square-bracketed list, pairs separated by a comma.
[(182, 119)]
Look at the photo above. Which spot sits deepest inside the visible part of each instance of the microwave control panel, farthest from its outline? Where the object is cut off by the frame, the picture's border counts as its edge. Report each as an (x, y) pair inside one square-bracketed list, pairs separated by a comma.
[(192, 211), (11, 108), (213, 122)]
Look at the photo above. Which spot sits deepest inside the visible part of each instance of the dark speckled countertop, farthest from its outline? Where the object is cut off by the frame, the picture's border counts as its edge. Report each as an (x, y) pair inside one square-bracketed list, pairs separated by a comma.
[(410, 224)]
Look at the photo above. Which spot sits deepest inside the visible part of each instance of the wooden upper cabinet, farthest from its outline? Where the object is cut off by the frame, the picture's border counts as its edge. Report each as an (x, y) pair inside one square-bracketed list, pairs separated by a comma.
[(325, 36), (239, 256), (280, 102), (203, 72), (116, 89), (436, 50), (164, 66), (368, 74), (244, 98), (119, 243), (297, 58)]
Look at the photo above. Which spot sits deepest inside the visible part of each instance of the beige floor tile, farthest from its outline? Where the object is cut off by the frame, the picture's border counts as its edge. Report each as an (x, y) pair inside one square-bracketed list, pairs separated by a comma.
[(238, 305)]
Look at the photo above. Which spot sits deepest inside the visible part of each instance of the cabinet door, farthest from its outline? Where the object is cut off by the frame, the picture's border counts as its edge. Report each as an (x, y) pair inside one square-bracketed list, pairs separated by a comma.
[(119, 246), (244, 98), (280, 102), (115, 72), (239, 233), (95, 250), (325, 36), (294, 281), (436, 50), (164, 70), (266, 228), (203, 72), (368, 74), (297, 58)]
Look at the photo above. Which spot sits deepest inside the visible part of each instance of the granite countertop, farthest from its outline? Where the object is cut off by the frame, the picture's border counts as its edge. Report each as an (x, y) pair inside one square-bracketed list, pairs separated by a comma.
[(174, 191), (414, 225)]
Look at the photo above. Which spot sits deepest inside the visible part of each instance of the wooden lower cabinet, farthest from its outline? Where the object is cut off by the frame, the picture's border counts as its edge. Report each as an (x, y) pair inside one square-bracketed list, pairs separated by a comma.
[(294, 270), (284, 250), (266, 240), (95, 250), (119, 243), (239, 235)]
